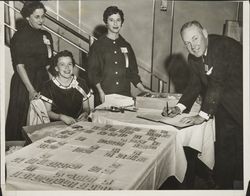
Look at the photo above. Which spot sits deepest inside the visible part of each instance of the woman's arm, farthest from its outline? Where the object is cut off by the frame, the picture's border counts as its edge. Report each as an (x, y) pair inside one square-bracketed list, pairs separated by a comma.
[(95, 66), (50, 48), (86, 110), (133, 73), (52, 115), (101, 92), (24, 77), (85, 106)]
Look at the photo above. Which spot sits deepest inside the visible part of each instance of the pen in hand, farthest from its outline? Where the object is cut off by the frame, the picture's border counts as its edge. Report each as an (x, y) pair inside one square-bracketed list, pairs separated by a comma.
[(165, 110)]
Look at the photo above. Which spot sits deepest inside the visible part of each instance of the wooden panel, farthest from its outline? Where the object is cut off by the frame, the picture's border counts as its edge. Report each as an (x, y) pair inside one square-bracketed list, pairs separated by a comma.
[(162, 40)]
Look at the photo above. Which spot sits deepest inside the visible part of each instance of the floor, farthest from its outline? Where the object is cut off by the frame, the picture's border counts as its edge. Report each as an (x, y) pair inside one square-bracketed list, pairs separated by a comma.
[(199, 184)]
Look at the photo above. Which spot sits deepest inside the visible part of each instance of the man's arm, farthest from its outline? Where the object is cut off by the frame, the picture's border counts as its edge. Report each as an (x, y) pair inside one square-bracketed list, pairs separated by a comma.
[(193, 88)]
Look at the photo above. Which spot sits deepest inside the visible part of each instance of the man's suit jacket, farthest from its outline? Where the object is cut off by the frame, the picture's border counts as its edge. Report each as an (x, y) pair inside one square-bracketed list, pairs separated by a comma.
[(224, 85)]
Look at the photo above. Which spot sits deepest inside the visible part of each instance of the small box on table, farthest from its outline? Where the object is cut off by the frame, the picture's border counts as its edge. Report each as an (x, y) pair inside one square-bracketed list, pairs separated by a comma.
[(157, 100)]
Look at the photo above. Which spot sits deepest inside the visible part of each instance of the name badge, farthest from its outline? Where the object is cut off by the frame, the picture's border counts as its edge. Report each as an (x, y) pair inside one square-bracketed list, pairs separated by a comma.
[(124, 50), (46, 40)]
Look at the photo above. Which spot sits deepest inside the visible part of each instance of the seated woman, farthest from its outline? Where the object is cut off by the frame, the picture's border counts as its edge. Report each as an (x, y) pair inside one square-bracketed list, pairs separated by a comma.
[(66, 96)]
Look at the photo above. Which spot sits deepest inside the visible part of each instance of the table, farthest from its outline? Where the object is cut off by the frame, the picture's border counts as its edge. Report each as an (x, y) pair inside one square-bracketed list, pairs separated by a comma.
[(199, 137), (92, 156)]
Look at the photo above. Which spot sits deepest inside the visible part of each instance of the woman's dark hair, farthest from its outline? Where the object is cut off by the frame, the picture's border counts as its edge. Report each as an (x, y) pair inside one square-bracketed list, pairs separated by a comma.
[(30, 6), (64, 53), (112, 10)]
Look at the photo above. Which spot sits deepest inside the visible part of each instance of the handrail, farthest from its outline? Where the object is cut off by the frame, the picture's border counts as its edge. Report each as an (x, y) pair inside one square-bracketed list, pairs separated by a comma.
[(60, 24), (78, 28), (13, 29), (78, 35), (65, 39), (65, 19), (58, 36)]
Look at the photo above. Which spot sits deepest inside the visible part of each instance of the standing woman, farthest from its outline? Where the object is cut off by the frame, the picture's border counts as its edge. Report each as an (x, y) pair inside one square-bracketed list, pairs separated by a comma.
[(31, 49), (111, 63)]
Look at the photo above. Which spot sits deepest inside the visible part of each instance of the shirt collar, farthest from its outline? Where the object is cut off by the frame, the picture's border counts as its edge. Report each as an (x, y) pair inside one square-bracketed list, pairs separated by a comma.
[(73, 83)]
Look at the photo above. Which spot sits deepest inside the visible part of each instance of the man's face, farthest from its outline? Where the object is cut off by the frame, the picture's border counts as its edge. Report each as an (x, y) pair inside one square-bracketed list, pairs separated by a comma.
[(195, 40)]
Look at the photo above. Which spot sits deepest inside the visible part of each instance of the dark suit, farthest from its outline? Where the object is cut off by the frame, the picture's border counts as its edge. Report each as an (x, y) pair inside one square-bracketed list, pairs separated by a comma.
[(222, 93)]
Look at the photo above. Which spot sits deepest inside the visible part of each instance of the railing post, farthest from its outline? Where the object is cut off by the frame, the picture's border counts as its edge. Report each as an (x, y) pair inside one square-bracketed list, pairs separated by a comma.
[(160, 86), (12, 18), (152, 44)]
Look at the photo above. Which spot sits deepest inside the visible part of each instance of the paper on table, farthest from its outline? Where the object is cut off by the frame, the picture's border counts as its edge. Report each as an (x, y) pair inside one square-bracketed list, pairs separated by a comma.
[(175, 121), (117, 101)]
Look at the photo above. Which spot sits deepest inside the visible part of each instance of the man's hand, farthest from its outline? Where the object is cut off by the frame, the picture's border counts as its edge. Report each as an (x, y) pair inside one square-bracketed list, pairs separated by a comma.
[(196, 120), (172, 112)]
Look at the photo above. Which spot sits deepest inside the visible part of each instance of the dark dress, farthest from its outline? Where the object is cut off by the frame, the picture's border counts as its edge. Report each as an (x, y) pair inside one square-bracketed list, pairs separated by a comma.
[(27, 47), (107, 65), (222, 93), (66, 100)]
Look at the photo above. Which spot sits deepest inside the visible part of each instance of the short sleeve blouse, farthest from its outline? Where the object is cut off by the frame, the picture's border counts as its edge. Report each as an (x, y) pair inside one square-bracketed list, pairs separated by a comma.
[(67, 100)]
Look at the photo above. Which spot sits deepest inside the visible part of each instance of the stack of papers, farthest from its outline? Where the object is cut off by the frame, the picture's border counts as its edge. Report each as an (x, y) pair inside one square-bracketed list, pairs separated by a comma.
[(117, 101)]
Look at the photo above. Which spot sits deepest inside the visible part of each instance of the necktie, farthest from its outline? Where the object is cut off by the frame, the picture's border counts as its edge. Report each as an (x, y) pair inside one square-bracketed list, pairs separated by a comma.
[(206, 66)]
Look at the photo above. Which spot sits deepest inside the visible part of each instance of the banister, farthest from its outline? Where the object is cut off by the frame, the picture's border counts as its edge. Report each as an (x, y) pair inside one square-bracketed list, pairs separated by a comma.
[(60, 24), (65, 39)]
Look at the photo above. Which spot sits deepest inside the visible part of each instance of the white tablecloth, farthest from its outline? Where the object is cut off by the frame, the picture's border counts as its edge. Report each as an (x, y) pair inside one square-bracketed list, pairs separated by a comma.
[(199, 137), (91, 156)]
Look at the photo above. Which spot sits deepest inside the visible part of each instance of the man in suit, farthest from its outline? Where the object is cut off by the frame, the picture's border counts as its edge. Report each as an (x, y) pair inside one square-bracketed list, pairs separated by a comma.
[(215, 64)]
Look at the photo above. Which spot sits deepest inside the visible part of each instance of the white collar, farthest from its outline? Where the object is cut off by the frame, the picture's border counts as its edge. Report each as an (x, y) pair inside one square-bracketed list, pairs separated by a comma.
[(73, 83)]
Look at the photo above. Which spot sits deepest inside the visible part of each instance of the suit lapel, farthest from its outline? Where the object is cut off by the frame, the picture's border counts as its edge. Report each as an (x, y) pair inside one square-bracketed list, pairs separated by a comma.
[(199, 66)]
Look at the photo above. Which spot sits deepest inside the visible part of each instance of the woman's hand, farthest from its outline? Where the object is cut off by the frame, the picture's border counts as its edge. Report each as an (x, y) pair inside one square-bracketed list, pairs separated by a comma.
[(142, 88), (34, 95), (147, 90), (196, 120), (67, 119), (83, 117)]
